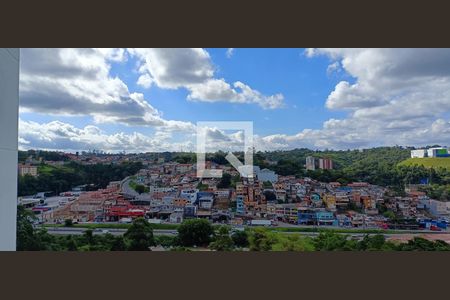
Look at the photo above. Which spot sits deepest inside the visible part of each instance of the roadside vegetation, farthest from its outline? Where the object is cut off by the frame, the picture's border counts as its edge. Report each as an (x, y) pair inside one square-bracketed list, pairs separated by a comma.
[(139, 188), (200, 234)]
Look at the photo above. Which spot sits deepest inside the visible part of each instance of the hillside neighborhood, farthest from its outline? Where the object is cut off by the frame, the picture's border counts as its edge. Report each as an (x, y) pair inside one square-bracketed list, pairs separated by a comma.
[(168, 192)]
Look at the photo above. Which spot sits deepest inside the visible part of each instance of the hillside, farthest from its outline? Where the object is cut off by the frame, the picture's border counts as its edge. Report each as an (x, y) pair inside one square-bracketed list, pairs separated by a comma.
[(428, 162)]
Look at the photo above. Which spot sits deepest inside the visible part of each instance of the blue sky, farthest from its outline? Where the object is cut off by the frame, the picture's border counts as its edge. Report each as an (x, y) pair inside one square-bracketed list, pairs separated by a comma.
[(320, 95), (303, 82)]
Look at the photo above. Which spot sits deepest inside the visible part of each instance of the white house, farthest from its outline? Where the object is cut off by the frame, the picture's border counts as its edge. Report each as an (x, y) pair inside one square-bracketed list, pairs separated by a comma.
[(420, 153)]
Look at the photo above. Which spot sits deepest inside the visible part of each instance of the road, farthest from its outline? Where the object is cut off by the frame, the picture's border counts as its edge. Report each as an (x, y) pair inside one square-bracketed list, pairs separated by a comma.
[(403, 237), (127, 190), (113, 231)]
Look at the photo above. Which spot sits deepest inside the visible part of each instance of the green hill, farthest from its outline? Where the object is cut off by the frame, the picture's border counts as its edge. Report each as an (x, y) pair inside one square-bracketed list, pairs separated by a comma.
[(428, 162)]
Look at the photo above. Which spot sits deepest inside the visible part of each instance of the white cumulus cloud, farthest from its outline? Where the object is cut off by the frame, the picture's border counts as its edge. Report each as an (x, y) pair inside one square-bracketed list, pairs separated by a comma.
[(78, 82), (193, 69)]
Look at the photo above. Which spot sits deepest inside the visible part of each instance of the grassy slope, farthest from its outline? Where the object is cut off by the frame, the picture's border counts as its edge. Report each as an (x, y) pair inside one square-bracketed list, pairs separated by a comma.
[(429, 162)]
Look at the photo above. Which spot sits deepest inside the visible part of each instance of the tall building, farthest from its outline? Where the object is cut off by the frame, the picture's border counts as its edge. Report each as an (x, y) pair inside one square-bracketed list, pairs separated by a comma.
[(310, 163), (325, 163), (9, 108)]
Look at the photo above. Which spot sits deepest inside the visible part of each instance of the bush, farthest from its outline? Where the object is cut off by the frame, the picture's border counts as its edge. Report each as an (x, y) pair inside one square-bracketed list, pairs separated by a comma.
[(167, 241), (222, 240), (240, 239), (293, 243), (261, 240)]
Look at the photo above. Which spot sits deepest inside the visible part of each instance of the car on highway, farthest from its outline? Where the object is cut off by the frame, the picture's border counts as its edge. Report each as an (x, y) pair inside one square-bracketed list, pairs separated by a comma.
[(100, 230)]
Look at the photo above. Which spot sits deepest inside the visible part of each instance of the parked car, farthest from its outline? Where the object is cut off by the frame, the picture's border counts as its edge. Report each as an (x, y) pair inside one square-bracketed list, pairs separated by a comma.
[(435, 228)]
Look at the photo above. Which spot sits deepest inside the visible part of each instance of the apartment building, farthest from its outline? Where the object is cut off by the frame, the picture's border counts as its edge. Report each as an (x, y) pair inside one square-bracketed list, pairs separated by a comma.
[(25, 169), (240, 208), (325, 164), (310, 163)]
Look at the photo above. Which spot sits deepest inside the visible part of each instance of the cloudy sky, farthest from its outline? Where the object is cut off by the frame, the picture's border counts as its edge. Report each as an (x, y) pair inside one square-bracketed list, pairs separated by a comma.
[(139, 100)]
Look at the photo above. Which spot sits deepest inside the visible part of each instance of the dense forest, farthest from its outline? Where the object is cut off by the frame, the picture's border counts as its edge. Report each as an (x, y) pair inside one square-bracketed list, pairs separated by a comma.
[(380, 166)]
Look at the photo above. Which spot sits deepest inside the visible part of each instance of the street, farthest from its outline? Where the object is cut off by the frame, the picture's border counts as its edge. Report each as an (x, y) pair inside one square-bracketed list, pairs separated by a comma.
[(403, 237), (113, 231)]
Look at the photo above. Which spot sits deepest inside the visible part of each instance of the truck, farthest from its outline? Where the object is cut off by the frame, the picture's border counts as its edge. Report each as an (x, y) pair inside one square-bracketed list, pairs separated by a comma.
[(260, 223)]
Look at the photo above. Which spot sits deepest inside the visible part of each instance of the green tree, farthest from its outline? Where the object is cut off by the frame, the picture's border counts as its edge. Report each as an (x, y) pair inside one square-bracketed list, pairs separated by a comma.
[(235, 179), (89, 236), (68, 222), (26, 239), (222, 240), (195, 232), (389, 214), (29, 238), (370, 243), (421, 244), (294, 243), (225, 181), (140, 235), (202, 187), (139, 188), (118, 244), (330, 241), (261, 240), (267, 185), (240, 238), (71, 244), (166, 241)]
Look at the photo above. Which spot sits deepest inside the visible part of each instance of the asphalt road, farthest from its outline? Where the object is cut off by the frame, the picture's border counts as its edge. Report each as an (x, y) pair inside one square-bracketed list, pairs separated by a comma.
[(113, 231), (126, 189)]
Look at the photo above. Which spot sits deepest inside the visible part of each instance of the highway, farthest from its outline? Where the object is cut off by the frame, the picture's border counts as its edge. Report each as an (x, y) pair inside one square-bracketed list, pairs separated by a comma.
[(113, 231), (443, 235)]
